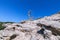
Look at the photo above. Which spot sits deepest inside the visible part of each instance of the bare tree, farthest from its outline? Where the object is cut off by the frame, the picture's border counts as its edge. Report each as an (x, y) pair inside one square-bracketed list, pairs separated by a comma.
[(29, 15)]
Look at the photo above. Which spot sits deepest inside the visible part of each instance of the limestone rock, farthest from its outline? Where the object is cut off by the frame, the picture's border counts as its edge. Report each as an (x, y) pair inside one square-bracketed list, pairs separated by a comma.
[(31, 30)]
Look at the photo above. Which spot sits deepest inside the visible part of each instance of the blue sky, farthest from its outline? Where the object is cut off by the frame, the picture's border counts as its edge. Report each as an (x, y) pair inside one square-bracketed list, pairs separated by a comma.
[(16, 10)]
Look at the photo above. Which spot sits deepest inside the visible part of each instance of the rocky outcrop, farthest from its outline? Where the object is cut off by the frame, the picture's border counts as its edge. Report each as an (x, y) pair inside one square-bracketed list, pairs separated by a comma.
[(46, 28)]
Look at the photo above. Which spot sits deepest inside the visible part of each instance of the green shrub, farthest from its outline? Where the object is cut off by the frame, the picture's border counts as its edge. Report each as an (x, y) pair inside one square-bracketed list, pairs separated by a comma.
[(1, 27)]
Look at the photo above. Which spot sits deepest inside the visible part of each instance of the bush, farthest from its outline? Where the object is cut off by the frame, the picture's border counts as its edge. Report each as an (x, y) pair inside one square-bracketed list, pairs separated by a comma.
[(1, 27)]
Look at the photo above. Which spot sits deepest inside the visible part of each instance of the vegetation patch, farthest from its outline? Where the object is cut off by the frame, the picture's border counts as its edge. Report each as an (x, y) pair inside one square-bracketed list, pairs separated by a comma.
[(2, 27)]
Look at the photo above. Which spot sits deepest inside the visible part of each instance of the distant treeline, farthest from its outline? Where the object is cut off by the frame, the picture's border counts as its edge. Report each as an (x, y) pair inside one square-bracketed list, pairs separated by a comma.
[(1, 27)]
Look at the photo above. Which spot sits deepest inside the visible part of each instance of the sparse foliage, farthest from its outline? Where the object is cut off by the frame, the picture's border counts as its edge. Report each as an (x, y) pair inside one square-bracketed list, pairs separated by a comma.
[(29, 15)]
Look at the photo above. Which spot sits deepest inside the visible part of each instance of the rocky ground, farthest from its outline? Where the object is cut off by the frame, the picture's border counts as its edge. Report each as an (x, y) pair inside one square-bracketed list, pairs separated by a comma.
[(46, 28)]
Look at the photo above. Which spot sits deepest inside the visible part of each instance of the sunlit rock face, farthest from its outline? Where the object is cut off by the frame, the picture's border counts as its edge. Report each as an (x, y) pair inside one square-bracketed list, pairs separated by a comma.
[(46, 28)]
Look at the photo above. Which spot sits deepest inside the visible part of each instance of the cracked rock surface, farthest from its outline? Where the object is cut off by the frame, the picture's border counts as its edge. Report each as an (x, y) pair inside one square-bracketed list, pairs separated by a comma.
[(46, 28)]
